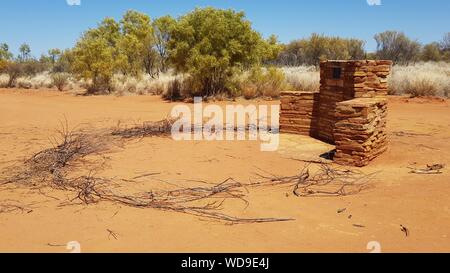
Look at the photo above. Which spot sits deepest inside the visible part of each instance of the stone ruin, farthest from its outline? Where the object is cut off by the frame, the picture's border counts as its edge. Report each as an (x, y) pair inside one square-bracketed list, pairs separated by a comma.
[(349, 111)]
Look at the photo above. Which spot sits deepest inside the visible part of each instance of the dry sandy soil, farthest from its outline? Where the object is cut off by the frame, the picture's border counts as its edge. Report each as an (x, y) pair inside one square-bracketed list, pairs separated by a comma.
[(419, 132)]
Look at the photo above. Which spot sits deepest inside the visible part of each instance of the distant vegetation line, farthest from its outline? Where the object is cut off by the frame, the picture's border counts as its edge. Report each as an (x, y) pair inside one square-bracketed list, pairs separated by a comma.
[(207, 52)]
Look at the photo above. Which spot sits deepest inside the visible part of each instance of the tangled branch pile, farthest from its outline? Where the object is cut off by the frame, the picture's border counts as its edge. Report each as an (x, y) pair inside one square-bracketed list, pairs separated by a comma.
[(51, 167), (57, 168), (325, 181), (430, 169), (147, 129)]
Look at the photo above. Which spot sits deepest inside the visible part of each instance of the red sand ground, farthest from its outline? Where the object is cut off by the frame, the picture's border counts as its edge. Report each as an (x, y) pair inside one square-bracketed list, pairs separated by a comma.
[(419, 202)]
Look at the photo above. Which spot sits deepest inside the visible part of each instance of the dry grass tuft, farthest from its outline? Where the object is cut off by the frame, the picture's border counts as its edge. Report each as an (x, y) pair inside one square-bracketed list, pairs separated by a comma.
[(422, 79), (303, 78)]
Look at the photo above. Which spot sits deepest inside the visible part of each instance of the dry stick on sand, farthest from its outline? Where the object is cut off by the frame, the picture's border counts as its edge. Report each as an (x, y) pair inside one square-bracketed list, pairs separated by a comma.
[(164, 128), (430, 169), (54, 168), (159, 128), (8, 206)]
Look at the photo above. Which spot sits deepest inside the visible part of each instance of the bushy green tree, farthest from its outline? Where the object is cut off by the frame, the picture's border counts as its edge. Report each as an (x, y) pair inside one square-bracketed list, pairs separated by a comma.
[(5, 56), (445, 47), (319, 47), (212, 44), (267, 82), (273, 49), (24, 64), (94, 61), (355, 48), (64, 62), (51, 59), (24, 52), (54, 54), (125, 46), (431, 53), (137, 41), (108, 29), (14, 70), (31, 67), (4, 52), (396, 46), (162, 28), (445, 43)]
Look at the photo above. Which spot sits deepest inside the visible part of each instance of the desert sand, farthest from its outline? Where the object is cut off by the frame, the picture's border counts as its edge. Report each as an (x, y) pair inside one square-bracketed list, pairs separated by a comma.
[(419, 131)]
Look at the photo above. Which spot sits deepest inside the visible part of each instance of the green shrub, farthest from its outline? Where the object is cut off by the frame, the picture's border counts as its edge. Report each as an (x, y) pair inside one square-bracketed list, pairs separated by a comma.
[(396, 46), (211, 45), (94, 62), (311, 50), (174, 91), (264, 82), (60, 80), (14, 71), (249, 91)]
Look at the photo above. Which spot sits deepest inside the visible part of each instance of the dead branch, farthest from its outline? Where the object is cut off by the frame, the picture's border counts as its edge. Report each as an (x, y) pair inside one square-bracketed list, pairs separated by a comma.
[(147, 129), (430, 169), (405, 230), (326, 181), (408, 134), (9, 206), (54, 167), (112, 234), (163, 128)]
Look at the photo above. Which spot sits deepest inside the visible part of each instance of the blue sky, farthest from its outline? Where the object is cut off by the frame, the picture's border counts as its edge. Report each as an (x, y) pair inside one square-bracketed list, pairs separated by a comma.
[(48, 24)]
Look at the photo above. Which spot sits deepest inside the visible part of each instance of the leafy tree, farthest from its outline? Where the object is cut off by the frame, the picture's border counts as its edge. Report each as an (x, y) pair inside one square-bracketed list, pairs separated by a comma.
[(318, 47), (94, 61), (264, 82), (396, 46), (32, 67), (137, 42), (108, 29), (4, 52), (54, 55), (130, 52), (431, 52), (272, 49), (212, 44), (355, 49), (292, 54), (162, 28), (445, 43), (25, 51), (46, 61), (64, 62), (5, 56), (445, 47), (14, 71), (126, 46)]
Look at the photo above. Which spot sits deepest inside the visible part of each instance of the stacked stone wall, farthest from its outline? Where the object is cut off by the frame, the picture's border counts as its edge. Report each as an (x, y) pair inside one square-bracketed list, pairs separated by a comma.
[(360, 131), (298, 112), (349, 110)]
